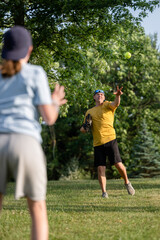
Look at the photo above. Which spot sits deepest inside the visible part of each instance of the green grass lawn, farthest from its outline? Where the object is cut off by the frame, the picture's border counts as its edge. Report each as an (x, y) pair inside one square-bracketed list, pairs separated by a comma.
[(76, 211)]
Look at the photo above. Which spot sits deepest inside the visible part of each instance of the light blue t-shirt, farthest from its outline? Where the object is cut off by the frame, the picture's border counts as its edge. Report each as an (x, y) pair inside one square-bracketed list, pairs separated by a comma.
[(20, 96)]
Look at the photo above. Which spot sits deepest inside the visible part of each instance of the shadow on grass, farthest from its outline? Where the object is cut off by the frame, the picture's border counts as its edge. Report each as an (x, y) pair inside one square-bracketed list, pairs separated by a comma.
[(102, 208), (89, 208), (15, 208)]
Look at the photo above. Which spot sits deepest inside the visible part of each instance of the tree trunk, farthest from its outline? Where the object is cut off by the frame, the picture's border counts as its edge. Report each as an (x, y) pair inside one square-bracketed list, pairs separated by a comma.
[(17, 12)]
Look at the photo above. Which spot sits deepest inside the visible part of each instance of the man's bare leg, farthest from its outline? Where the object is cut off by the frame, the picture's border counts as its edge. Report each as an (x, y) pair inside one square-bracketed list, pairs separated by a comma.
[(38, 213), (122, 171), (102, 177)]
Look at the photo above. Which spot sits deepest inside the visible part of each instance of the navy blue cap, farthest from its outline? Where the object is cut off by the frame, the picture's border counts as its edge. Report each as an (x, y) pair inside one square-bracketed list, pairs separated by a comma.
[(98, 91), (17, 41)]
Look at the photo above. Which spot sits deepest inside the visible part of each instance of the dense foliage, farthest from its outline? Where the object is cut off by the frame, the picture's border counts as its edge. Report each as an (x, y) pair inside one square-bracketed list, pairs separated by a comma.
[(81, 44), (107, 67)]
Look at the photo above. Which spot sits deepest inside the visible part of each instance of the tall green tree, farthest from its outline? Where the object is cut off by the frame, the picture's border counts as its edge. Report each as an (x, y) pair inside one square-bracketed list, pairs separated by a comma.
[(145, 154)]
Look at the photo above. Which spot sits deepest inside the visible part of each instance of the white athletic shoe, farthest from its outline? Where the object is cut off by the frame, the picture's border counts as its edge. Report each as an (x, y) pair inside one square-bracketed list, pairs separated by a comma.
[(105, 195), (130, 189)]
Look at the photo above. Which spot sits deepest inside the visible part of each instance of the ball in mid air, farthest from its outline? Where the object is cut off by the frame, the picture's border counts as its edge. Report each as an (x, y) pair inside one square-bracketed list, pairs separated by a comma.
[(127, 55)]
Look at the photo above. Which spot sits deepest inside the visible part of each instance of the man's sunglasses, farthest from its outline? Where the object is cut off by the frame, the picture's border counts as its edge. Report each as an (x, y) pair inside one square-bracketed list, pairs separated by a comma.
[(98, 91)]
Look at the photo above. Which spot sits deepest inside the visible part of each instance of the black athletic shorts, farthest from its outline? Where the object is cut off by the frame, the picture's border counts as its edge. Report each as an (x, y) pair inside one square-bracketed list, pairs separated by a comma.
[(110, 150)]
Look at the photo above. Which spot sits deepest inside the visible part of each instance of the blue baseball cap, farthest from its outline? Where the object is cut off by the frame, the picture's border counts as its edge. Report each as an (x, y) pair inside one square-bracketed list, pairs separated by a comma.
[(17, 41), (98, 91)]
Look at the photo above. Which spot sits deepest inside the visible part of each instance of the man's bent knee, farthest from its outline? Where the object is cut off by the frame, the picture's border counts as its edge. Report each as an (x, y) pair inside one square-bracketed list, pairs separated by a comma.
[(102, 170), (119, 165)]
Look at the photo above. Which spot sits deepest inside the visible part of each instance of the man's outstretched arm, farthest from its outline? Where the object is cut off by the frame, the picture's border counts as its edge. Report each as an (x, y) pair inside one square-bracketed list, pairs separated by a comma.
[(117, 99)]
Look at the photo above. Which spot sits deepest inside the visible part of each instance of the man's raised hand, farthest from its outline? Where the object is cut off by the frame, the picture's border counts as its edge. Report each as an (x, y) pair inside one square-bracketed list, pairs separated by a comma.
[(119, 91)]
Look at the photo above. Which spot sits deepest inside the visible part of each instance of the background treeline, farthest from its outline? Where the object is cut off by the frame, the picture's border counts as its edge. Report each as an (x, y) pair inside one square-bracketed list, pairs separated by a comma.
[(81, 44)]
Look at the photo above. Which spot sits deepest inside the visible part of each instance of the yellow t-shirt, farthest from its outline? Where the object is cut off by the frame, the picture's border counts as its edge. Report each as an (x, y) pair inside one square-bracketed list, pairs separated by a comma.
[(102, 123)]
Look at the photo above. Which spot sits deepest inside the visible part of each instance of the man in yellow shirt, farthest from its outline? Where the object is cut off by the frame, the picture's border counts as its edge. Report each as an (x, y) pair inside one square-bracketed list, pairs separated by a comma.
[(101, 118)]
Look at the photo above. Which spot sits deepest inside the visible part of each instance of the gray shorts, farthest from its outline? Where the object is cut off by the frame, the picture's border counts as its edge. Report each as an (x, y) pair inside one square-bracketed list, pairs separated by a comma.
[(22, 158)]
